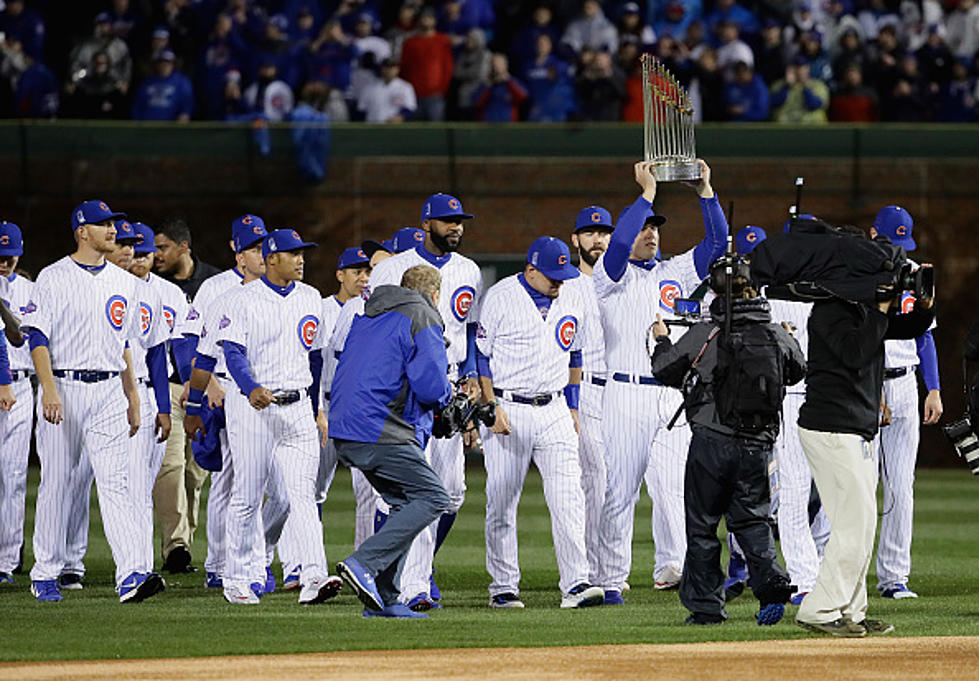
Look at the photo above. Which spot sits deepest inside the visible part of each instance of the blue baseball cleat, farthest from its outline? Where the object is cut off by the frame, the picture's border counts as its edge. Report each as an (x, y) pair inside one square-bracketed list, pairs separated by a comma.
[(293, 580), (433, 589), (614, 597), (139, 586), (269, 580), (213, 580), (399, 610), (46, 590)]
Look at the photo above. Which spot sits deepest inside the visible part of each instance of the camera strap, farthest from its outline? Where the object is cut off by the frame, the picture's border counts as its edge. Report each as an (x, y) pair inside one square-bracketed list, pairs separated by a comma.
[(693, 365)]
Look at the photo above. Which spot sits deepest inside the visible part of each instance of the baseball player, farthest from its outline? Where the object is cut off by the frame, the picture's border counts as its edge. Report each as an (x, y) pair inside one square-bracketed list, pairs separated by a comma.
[(16, 418), (632, 287), (82, 313), (271, 339), (526, 340), (899, 441), (442, 219), (593, 229)]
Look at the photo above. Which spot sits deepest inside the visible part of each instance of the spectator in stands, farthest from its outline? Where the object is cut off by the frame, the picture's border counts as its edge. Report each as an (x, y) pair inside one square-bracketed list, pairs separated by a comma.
[(102, 40), (36, 91), (390, 99), (310, 131), (233, 106), (804, 19), (958, 98), (593, 30), (349, 11), (632, 29), (524, 48), (403, 27), (811, 48), (427, 63), (366, 41), (852, 101), (303, 25), (882, 73), (772, 53), (330, 58), (849, 50), (746, 96), (675, 55), (875, 15), (550, 85), (182, 19), (728, 11), (13, 62), (125, 21), (732, 49), (248, 21), (695, 40), (476, 14), (499, 101), (16, 21), (632, 105), (159, 41), (935, 59), (277, 48), (451, 23), (674, 17), (95, 92), (600, 88), (269, 95), (224, 52), (167, 96), (963, 29), (472, 71), (707, 88), (799, 98), (909, 99)]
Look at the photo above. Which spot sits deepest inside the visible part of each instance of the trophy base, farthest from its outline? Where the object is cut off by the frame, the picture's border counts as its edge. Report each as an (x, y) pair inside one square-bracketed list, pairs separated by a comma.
[(677, 171)]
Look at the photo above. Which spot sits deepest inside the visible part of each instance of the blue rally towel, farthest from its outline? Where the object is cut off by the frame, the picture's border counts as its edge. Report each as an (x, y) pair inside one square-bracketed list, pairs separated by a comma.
[(207, 451)]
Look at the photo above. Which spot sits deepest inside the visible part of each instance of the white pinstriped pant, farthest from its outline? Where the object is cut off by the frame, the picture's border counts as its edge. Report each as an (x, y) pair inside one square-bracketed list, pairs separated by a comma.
[(544, 435), (94, 433), (144, 464), (15, 445), (637, 444), (591, 452)]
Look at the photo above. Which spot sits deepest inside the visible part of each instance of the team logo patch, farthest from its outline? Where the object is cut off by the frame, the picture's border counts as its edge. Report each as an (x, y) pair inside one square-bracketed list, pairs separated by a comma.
[(258, 230), (115, 311), (307, 330), (247, 220), (596, 217), (193, 314), (565, 330), (901, 230), (462, 300), (669, 291), (751, 237), (419, 236), (169, 316), (361, 254), (30, 307), (4, 240), (145, 318), (295, 235), (454, 204), (103, 207), (224, 323), (907, 302)]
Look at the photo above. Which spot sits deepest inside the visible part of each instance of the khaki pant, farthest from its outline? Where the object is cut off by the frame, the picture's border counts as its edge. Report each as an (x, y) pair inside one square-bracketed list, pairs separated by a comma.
[(177, 493), (844, 467)]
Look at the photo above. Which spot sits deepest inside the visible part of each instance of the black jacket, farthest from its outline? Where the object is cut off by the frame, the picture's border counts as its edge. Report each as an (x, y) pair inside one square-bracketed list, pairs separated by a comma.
[(846, 364), (672, 362)]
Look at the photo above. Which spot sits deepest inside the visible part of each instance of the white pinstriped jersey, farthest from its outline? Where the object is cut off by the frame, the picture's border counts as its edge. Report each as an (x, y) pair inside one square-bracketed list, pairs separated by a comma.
[(153, 329), (528, 354), (629, 307), (86, 317), (592, 337), (174, 305), (202, 317), (278, 332), (462, 286), (904, 352), (797, 314), (16, 292)]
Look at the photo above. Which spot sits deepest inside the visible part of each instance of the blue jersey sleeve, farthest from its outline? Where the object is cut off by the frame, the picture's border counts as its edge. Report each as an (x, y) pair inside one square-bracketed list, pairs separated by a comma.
[(315, 368), (715, 236), (156, 364), (204, 363), (626, 230), (483, 365), (184, 348), (37, 339), (237, 361), (467, 368), (928, 356)]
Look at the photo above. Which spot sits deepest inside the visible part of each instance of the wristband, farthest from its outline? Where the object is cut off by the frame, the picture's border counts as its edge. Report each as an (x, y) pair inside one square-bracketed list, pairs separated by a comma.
[(195, 398), (572, 395)]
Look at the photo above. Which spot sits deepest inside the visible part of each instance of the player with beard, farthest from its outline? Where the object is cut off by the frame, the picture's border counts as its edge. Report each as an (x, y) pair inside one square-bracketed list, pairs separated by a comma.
[(592, 231)]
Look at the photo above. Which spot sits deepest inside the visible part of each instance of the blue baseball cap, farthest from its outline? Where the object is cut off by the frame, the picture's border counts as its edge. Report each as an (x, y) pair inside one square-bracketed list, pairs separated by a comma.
[(246, 230), (440, 205), (352, 257), (407, 238), (553, 258), (11, 240), (749, 237), (372, 246), (788, 223), (284, 240), (92, 212), (593, 217), (125, 231), (896, 224), (145, 238)]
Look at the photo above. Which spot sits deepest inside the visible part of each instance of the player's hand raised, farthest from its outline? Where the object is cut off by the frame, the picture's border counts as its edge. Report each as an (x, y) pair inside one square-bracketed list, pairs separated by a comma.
[(261, 397), (502, 425), (7, 399), (51, 406), (645, 172), (163, 425)]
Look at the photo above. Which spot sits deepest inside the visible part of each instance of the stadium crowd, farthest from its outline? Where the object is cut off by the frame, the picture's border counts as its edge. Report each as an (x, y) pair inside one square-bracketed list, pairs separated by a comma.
[(808, 61)]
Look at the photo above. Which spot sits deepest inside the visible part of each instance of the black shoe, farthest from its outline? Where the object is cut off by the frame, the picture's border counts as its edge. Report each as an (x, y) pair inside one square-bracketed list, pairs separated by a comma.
[(178, 561), (20, 561), (703, 619), (70, 581), (877, 626)]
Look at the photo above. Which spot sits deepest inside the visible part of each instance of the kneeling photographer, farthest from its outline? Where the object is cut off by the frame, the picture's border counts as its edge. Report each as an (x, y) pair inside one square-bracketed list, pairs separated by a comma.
[(733, 371)]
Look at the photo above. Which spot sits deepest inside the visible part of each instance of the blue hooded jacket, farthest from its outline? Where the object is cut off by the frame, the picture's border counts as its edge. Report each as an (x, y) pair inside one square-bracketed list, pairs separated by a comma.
[(392, 372)]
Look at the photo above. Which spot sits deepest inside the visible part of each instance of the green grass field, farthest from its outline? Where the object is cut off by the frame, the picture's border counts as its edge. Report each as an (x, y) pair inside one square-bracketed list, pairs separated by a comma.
[(186, 620)]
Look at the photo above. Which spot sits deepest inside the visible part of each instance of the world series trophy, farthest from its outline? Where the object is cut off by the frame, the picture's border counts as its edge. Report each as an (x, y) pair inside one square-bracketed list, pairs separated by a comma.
[(667, 124)]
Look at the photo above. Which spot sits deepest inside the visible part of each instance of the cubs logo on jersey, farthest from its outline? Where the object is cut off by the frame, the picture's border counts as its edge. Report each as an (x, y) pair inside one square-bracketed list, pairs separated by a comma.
[(115, 311), (907, 302), (462, 300), (169, 316), (565, 331), (145, 318), (307, 331), (669, 291)]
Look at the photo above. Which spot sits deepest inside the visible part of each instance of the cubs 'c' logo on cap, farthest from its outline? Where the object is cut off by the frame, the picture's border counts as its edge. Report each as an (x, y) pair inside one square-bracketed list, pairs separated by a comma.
[(462, 300), (596, 217), (565, 331), (115, 311), (103, 206), (562, 259), (419, 236), (169, 316), (361, 254), (140, 238), (751, 237), (247, 220), (307, 330), (4, 240), (901, 230), (145, 318), (907, 302), (454, 204), (295, 235), (257, 229), (669, 291)]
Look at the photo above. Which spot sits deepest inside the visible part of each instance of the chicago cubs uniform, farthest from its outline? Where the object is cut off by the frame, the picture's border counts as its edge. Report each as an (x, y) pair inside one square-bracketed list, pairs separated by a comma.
[(637, 408), (16, 424), (270, 334), (525, 340), (72, 301)]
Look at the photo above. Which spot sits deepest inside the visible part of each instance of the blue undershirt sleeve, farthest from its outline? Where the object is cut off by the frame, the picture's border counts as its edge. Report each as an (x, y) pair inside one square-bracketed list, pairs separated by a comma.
[(575, 361), (315, 368), (483, 365), (37, 339), (928, 357), (184, 348), (237, 361), (715, 236), (467, 368), (156, 364), (204, 363)]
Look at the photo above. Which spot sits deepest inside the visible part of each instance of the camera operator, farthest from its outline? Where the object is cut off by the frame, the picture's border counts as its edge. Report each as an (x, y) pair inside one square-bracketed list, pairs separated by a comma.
[(727, 464), (837, 425)]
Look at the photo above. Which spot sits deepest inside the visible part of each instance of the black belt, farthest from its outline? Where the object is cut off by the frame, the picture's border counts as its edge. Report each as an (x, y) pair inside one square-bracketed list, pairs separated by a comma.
[(536, 400), (144, 381), (17, 375), (597, 380), (634, 379), (895, 373), (86, 376), (284, 397), (327, 396), (221, 375)]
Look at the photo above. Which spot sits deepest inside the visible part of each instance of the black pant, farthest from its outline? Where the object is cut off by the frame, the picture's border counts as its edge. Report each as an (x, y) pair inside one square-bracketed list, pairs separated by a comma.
[(727, 477)]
